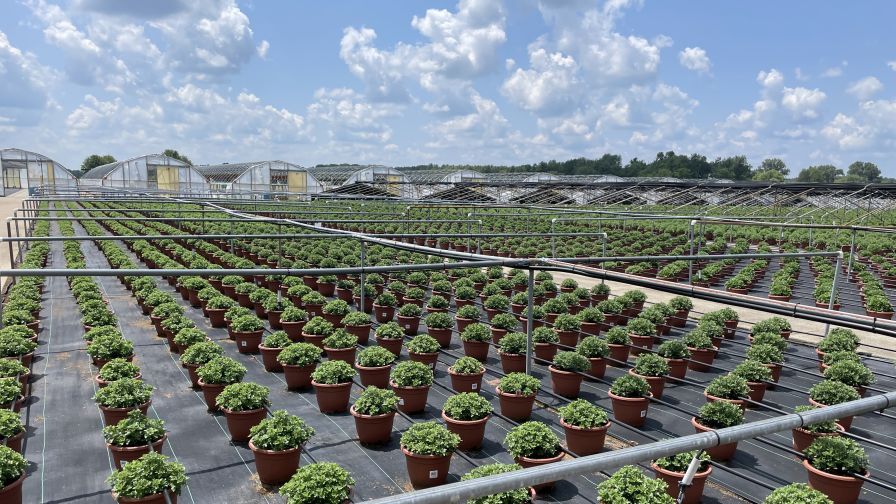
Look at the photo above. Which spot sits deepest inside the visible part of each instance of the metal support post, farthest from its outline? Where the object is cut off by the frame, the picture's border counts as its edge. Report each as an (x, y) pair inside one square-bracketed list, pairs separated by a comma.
[(691, 262), (553, 243), (529, 319), (827, 326), (361, 279), (852, 253)]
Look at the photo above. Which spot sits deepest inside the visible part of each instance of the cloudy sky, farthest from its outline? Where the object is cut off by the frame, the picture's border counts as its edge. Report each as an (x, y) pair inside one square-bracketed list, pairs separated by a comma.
[(479, 81)]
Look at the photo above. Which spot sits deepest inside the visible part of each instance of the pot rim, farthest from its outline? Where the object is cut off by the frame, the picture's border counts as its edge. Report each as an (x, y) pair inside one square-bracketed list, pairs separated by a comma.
[(369, 417), (465, 422), (569, 426), (836, 477), (701, 475), (273, 452)]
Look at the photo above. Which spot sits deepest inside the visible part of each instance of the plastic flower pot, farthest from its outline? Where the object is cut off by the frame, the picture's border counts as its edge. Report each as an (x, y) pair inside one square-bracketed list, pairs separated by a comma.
[(14, 442), (362, 332), (568, 338), (471, 432), (679, 319), (598, 367), (12, 493), (124, 454), (410, 325), (239, 422), (383, 314), (840, 489), (511, 363), (332, 398), (274, 319), (630, 410), (297, 377), (374, 376), (565, 383), (582, 441), (443, 336), (269, 358), (701, 358), (391, 344), (678, 368), (216, 317), (845, 422), (334, 319), (525, 462), (275, 467), (545, 351), (210, 392), (293, 330), (373, 429), (514, 406), (429, 359), (112, 416), (346, 355), (618, 353), (737, 402), (315, 339), (591, 328), (656, 383), (476, 349), (411, 399), (803, 438), (248, 342), (757, 391), (426, 471), (639, 343), (719, 453), (693, 494), (466, 382)]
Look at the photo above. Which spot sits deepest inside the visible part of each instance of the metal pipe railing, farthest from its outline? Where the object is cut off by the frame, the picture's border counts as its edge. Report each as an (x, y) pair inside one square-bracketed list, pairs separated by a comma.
[(464, 490)]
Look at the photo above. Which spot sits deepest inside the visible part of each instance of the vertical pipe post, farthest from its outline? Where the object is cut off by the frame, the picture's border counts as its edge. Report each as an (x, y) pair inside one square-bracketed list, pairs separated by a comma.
[(553, 243), (691, 261), (529, 319), (827, 326), (361, 301), (603, 253), (852, 253)]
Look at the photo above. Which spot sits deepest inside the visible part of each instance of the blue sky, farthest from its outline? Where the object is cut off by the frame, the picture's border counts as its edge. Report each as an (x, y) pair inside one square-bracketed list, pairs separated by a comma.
[(475, 81)]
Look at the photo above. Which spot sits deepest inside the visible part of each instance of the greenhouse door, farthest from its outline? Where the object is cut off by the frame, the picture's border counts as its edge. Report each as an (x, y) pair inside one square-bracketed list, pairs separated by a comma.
[(168, 178), (393, 186), (296, 182), (12, 178)]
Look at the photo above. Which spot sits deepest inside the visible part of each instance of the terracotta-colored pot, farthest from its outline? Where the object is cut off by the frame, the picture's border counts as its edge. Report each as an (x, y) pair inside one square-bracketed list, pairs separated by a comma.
[(293, 330), (269, 358), (332, 398), (443, 336), (618, 353), (598, 367), (248, 342), (840, 489), (678, 368), (191, 371), (275, 467), (737, 402), (701, 358), (585, 441), (383, 314), (630, 410), (14, 442), (297, 377), (12, 493), (124, 454), (112, 416), (410, 325), (656, 383), (362, 332), (346, 355), (391, 344), (568, 338), (315, 339), (693, 494), (373, 429), (565, 383), (429, 359), (471, 432), (426, 471), (374, 376), (239, 422), (477, 349), (216, 317), (211, 391), (274, 319), (516, 407), (803, 438), (640, 342), (757, 392), (776, 371), (411, 399), (466, 382), (545, 351), (719, 453), (513, 363), (530, 462)]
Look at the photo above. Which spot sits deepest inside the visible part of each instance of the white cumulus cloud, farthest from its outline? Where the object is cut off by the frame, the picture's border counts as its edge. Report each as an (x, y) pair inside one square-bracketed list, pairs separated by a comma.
[(694, 58), (864, 89)]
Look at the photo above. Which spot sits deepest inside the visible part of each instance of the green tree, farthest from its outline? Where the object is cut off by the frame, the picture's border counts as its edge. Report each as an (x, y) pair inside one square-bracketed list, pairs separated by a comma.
[(864, 171), (177, 155), (768, 176), (94, 160), (824, 174), (734, 167)]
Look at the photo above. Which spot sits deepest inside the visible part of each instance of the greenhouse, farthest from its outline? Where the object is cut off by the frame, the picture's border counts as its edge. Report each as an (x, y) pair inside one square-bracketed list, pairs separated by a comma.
[(24, 170), (260, 179), (155, 172)]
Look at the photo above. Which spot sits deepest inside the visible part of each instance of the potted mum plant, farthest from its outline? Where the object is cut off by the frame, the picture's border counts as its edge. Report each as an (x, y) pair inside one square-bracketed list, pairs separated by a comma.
[(730, 388), (147, 479), (476, 339), (411, 381), (276, 443), (131, 438), (619, 341), (796, 492), (12, 430), (703, 353), (466, 414), (515, 496), (390, 336), (438, 325), (293, 321), (630, 397), (358, 323), (757, 375), (119, 397), (320, 482), (466, 375), (672, 469), (341, 345), (852, 373), (501, 324), (653, 369), (512, 352), (374, 365), (586, 427), (216, 307), (374, 413), (831, 463), (805, 435), (566, 373), (244, 405), (567, 328), (12, 475), (516, 395), (270, 348), (629, 484), (332, 382), (534, 444), (642, 333), (427, 447), (675, 352), (107, 347), (384, 307), (197, 355), (595, 350), (718, 415), (409, 318), (113, 370), (829, 393), (466, 315), (247, 331), (316, 330), (424, 349), (768, 355), (216, 374), (545, 343), (334, 311)]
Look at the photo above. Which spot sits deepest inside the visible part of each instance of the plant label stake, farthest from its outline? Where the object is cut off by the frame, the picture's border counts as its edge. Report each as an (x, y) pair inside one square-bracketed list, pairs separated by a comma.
[(688, 478)]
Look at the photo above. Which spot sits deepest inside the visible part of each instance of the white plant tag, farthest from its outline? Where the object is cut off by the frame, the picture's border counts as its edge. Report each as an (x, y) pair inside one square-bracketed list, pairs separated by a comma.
[(433, 474)]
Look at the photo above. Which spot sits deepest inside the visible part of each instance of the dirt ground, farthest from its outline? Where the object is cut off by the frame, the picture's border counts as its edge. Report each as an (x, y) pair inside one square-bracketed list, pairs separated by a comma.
[(8, 204), (799, 326)]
